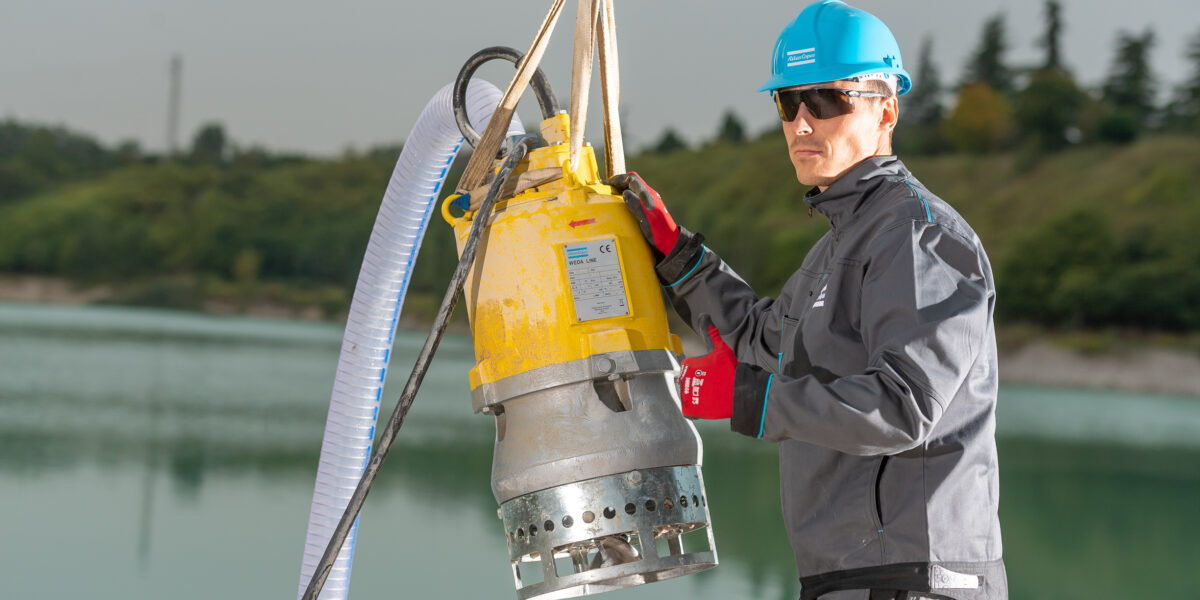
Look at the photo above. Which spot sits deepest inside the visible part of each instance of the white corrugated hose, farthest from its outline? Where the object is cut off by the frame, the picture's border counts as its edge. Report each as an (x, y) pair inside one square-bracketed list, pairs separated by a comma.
[(408, 204)]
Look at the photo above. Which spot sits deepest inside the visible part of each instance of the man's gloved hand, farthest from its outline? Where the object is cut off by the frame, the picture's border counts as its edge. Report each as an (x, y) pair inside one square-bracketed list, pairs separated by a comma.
[(647, 207), (706, 382)]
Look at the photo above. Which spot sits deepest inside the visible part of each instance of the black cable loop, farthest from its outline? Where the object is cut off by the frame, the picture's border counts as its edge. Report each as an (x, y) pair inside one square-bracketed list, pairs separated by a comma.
[(539, 83)]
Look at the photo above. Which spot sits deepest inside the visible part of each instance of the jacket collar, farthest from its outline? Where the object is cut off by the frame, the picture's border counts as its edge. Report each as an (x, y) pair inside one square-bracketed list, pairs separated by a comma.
[(843, 198)]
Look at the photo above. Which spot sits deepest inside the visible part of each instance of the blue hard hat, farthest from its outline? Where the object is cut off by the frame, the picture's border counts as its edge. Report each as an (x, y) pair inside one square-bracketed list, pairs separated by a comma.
[(831, 40)]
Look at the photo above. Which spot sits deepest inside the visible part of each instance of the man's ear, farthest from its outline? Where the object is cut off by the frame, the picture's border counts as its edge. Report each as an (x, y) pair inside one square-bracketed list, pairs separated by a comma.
[(890, 115)]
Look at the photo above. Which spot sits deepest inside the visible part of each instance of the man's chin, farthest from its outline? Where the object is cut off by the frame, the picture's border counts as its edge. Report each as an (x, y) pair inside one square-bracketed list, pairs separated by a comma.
[(807, 177)]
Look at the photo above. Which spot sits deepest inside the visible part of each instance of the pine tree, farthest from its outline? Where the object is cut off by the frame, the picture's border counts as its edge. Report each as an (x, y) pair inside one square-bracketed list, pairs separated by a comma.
[(1192, 86), (669, 142), (731, 129), (923, 105), (1130, 82), (921, 110), (1051, 102), (1185, 110), (210, 144), (987, 62), (1129, 89), (1050, 40)]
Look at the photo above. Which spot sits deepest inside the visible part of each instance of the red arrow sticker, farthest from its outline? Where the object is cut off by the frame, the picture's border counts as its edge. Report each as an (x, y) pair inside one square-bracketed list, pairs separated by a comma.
[(575, 224)]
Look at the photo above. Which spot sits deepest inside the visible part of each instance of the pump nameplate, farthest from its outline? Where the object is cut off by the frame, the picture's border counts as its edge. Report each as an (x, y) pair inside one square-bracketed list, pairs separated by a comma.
[(597, 284)]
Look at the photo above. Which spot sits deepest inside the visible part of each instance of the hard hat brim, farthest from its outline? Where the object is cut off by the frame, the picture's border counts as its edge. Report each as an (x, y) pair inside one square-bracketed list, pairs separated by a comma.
[(903, 83)]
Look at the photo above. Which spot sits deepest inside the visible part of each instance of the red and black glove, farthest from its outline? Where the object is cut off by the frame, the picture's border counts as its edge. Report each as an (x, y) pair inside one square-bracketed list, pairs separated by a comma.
[(706, 382), (647, 207)]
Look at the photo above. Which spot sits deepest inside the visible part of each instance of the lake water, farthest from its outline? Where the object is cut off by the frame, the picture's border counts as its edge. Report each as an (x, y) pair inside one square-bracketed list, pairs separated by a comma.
[(156, 454)]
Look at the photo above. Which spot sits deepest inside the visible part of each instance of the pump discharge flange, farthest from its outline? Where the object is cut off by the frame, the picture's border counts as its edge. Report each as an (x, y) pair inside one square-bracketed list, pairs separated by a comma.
[(596, 471)]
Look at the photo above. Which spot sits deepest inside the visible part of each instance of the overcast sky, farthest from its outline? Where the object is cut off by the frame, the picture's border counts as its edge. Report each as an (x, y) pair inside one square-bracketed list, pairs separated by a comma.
[(323, 76)]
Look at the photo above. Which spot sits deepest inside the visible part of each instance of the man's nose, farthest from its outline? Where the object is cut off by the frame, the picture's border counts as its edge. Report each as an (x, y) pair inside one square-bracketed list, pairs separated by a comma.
[(801, 124)]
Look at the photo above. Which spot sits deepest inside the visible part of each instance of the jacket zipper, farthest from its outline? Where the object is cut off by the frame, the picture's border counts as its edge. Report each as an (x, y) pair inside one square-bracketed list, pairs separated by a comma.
[(878, 494)]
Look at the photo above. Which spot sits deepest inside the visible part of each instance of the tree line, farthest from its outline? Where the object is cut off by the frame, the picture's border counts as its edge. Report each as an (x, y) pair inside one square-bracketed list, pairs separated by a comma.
[(1043, 107), (1096, 236)]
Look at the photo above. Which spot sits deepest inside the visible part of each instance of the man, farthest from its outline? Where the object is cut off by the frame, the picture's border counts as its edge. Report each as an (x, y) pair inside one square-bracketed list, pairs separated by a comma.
[(875, 368)]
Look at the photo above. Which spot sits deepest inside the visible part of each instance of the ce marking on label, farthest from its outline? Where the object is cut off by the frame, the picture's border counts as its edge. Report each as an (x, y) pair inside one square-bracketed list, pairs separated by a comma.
[(607, 248)]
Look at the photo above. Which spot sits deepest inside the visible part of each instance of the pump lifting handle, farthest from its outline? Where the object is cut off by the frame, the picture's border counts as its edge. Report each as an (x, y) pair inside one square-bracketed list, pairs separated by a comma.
[(539, 83)]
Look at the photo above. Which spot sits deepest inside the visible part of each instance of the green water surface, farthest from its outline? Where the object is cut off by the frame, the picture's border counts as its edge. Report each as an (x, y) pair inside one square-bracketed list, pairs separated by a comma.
[(154, 454)]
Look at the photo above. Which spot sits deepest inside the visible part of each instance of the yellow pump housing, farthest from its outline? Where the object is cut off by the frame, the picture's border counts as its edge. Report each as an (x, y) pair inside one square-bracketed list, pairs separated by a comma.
[(594, 464), (564, 273)]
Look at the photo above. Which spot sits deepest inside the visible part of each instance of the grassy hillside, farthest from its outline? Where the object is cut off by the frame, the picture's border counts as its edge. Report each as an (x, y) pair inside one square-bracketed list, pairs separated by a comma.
[(1088, 237)]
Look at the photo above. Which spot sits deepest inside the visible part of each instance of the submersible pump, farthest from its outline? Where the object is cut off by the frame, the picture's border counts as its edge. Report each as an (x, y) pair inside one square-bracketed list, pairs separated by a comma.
[(596, 471)]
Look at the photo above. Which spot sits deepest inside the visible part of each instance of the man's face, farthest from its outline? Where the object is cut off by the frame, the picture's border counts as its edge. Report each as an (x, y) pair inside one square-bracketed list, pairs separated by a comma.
[(823, 149)]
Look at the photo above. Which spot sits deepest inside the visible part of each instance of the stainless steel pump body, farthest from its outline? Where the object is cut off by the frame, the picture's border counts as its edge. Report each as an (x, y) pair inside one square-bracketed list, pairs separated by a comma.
[(598, 475)]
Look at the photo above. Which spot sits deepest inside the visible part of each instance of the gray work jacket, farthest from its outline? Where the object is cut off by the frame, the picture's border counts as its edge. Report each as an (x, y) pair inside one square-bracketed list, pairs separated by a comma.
[(875, 370)]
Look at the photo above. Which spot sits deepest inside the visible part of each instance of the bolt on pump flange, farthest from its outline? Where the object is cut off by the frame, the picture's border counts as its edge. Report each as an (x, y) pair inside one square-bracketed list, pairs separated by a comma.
[(595, 469)]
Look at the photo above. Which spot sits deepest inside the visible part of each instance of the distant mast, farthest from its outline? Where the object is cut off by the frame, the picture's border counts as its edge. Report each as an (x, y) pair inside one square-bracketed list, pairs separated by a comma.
[(173, 106)]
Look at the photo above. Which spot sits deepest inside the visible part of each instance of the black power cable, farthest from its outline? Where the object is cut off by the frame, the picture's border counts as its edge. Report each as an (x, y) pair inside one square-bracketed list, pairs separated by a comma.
[(479, 221)]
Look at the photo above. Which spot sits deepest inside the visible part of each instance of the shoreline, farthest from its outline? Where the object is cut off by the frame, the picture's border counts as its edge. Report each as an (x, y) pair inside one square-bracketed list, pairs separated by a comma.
[(1143, 369), (1038, 361)]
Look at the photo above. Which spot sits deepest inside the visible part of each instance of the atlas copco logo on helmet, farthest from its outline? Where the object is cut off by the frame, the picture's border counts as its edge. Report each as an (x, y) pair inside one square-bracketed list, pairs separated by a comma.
[(829, 41), (803, 56)]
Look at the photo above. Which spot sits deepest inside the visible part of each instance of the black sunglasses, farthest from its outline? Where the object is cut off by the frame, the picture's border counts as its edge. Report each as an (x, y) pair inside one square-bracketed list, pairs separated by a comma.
[(822, 103)]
